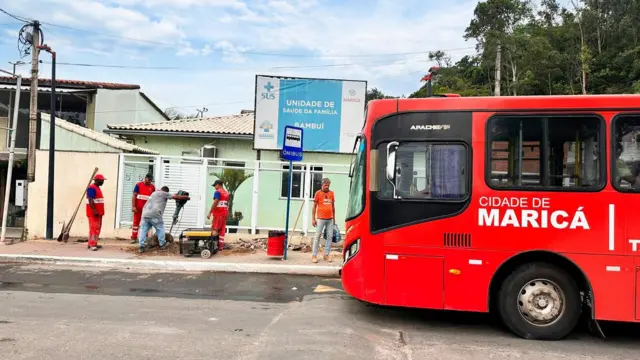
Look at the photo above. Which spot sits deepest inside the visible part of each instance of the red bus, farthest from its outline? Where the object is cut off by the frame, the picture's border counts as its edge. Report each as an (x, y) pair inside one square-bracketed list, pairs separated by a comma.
[(522, 206)]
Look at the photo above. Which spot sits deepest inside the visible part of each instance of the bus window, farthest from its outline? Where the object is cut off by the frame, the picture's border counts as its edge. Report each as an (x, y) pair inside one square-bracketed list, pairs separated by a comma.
[(626, 135), (426, 171), (545, 152)]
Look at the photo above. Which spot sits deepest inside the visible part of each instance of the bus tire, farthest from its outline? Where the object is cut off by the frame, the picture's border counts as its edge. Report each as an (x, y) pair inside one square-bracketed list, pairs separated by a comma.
[(539, 301)]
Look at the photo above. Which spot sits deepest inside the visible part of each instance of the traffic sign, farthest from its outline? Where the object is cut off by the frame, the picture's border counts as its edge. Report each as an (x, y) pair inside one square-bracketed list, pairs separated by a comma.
[(292, 144)]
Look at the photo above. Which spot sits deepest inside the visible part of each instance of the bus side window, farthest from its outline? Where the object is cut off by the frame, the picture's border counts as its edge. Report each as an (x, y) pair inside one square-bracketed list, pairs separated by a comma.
[(426, 171), (626, 168), (545, 152)]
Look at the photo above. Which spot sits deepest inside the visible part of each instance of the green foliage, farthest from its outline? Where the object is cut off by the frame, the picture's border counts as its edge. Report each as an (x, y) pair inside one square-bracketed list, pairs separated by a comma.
[(375, 94), (231, 180), (552, 48)]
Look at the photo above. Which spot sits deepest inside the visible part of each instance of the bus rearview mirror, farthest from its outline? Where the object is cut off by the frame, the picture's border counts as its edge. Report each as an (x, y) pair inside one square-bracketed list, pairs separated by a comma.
[(392, 147)]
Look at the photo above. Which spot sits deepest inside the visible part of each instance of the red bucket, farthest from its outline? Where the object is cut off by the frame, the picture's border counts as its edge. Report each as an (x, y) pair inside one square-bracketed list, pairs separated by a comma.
[(275, 243)]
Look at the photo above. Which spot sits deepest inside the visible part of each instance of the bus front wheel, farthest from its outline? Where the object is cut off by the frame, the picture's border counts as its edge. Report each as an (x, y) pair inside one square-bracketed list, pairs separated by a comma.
[(540, 301)]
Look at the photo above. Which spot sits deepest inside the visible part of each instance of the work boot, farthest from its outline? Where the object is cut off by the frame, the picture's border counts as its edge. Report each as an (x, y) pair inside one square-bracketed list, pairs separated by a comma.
[(327, 258), (133, 241), (164, 247), (141, 250), (94, 248), (314, 259)]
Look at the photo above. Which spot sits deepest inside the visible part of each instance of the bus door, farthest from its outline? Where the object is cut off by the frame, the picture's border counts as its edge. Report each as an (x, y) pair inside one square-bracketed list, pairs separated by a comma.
[(423, 169), (625, 179)]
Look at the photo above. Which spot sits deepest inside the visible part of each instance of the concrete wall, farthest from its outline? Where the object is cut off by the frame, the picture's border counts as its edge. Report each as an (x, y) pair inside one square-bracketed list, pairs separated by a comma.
[(4, 134), (189, 146), (73, 170), (69, 141), (121, 107)]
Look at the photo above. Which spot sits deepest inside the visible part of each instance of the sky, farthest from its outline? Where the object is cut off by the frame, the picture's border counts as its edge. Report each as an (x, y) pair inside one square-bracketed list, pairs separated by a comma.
[(189, 54)]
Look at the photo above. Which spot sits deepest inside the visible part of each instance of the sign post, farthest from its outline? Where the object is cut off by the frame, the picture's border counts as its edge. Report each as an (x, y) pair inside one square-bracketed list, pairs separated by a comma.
[(292, 151)]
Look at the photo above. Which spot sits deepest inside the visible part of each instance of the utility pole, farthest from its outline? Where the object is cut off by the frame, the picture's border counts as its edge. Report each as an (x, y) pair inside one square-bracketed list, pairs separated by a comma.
[(33, 104), (498, 68), (52, 143)]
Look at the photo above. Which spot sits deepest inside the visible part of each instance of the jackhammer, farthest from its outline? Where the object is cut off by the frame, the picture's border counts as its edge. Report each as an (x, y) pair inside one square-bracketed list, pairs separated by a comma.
[(179, 205)]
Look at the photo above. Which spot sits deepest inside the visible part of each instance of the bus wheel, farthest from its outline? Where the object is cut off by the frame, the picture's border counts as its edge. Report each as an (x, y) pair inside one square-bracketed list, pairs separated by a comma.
[(540, 302)]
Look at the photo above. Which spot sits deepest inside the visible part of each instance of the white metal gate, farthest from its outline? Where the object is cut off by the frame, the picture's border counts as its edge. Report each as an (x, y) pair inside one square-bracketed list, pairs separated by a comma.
[(186, 177), (195, 174), (133, 173)]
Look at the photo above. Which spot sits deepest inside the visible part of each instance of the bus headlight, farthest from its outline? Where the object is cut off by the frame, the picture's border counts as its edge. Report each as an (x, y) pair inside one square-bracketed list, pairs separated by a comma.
[(352, 250)]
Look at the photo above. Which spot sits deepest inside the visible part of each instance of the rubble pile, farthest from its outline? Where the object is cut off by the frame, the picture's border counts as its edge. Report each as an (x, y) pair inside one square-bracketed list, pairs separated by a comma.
[(261, 244)]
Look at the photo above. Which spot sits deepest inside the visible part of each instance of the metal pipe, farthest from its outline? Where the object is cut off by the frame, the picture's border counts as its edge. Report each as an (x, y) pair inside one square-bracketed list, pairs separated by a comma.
[(12, 146)]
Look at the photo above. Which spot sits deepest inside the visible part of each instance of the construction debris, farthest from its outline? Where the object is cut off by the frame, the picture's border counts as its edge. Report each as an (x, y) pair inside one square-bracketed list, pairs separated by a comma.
[(242, 246), (261, 244)]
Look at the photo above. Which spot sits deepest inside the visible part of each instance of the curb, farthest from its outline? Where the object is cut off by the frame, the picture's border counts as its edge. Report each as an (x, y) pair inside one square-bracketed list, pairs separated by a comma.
[(173, 266)]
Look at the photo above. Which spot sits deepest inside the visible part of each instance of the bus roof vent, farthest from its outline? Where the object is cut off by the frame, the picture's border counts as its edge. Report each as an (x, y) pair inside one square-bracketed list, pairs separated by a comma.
[(457, 240)]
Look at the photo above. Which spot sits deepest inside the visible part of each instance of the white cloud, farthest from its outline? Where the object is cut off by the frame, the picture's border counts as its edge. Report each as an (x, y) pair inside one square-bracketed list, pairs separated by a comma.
[(216, 34), (236, 4), (231, 53)]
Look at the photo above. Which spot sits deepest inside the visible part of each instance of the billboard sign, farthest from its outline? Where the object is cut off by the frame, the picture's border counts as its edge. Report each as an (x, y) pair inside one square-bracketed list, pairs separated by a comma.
[(331, 112)]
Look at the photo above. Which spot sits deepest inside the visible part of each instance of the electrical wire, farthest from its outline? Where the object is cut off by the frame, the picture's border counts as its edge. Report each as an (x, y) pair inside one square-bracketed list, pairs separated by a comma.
[(241, 51), (152, 42), (118, 66), (16, 17), (386, 62)]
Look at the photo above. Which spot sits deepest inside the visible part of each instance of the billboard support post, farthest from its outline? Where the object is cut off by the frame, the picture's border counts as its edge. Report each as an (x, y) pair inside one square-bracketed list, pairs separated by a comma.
[(292, 151)]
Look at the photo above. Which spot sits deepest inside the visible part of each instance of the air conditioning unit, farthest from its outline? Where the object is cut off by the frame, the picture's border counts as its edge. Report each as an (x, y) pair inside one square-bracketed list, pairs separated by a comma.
[(210, 152)]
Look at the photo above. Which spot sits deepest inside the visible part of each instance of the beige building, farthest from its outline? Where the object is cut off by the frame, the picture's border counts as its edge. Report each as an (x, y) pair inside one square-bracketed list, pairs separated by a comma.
[(78, 151)]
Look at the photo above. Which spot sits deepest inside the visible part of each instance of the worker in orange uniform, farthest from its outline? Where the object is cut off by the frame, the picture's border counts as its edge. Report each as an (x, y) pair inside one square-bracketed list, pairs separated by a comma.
[(141, 193), (220, 212), (323, 217), (95, 211)]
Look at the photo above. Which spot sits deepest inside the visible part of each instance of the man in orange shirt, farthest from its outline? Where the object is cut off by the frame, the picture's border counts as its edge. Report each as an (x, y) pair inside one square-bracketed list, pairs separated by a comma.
[(323, 218)]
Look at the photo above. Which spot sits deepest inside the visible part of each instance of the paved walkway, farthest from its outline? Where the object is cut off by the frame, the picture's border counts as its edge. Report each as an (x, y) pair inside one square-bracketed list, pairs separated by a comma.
[(121, 254)]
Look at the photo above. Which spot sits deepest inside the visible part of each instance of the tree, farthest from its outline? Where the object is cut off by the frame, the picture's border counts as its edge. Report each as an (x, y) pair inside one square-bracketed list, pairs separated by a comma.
[(174, 114), (375, 94), (231, 180), (494, 21)]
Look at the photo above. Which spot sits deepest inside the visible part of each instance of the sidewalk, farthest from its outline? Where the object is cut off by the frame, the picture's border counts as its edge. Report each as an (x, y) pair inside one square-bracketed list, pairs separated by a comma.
[(119, 254)]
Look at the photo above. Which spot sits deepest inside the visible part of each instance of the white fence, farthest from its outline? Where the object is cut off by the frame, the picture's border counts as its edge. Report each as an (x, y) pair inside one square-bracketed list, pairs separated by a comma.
[(261, 198)]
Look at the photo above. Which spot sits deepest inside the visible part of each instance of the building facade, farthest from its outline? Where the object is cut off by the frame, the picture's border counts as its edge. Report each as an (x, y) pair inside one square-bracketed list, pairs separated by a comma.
[(206, 147)]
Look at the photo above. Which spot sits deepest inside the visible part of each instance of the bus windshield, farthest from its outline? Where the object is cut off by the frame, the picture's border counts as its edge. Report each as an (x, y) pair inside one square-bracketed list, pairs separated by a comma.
[(356, 193)]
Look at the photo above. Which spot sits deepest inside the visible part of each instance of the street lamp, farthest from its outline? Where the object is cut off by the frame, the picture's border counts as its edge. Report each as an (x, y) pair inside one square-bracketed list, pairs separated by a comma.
[(17, 63), (10, 113)]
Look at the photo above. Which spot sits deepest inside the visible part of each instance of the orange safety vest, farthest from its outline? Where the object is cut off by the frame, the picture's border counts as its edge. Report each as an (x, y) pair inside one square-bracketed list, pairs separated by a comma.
[(98, 201)]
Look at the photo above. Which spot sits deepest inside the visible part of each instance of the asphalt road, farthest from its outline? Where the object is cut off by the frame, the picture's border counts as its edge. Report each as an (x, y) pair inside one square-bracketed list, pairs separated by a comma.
[(47, 313)]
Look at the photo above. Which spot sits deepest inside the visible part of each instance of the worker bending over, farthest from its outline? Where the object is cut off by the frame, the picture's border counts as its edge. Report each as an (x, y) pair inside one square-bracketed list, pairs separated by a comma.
[(220, 212), (152, 216)]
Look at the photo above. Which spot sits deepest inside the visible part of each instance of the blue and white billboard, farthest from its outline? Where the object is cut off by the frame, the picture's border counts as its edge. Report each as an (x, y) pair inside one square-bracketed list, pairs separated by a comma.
[(331, 112)]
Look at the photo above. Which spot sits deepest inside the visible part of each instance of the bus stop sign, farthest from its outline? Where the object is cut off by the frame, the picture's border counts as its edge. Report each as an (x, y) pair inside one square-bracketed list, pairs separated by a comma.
[(292, 144)]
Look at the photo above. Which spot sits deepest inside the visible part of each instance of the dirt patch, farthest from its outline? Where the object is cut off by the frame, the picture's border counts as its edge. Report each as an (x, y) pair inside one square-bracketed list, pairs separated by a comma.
[(172, 250), (236, 251)]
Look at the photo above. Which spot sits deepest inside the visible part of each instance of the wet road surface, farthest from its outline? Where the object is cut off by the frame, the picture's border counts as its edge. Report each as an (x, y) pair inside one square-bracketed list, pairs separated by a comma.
[(47, 313)]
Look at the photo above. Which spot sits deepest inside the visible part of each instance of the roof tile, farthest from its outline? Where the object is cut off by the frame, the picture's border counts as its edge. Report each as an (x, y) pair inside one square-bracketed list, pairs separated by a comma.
[(98, 136), (241, 124), (72, 83)]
